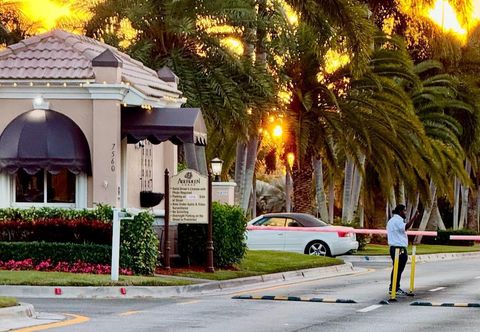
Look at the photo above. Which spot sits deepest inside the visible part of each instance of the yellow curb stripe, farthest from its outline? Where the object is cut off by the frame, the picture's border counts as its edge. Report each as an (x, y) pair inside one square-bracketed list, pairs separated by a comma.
[(281, 298), (329, 300), (76, 320), (128, 313), (461, 304)]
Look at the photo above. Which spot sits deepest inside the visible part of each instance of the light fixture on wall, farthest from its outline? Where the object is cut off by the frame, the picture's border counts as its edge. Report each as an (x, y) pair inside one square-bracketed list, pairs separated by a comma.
[(40, 104), (217, 165)]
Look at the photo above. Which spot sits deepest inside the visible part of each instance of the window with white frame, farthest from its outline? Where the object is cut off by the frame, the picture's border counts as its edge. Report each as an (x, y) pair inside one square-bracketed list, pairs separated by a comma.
[(44, 187)]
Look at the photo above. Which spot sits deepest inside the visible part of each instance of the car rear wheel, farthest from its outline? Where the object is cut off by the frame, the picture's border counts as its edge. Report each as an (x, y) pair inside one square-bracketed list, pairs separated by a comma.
[(317, 248)]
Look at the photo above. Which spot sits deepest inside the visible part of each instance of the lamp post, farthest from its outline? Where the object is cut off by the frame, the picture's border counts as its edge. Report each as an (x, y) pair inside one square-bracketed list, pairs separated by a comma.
[(217, 165)]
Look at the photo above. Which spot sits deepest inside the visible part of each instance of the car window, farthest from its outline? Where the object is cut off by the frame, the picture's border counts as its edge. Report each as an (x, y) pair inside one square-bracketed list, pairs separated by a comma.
[(271, 222), (293, 223)]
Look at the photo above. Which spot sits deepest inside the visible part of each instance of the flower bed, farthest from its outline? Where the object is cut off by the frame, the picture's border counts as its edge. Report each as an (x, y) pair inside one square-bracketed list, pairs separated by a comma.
[(47, 265)]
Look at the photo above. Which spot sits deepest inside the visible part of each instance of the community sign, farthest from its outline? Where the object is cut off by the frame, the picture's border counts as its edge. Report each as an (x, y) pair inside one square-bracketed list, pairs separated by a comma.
[(188, 197)]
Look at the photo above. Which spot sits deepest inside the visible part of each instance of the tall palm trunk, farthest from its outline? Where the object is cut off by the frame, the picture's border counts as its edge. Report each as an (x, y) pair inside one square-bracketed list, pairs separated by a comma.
[(320, 189), (347, 188), (302, 185), (249, 172), (464, 190), (240, 162), (427, 212), (331, 198), (456, 202), (356, 189)]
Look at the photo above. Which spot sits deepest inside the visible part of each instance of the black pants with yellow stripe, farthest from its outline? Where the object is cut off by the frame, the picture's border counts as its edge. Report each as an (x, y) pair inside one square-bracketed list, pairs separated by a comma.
[(402, 261)]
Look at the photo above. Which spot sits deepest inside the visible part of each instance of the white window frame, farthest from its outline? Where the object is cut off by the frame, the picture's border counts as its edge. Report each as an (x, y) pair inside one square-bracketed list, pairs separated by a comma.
[(80, 194)]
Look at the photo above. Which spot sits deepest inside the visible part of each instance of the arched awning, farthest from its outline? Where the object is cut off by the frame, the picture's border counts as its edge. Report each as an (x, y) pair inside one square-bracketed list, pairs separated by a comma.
[(44, 139), (178, 125)]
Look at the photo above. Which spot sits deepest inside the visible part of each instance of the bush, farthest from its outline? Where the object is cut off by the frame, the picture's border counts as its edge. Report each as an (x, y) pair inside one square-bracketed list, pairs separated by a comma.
[(138, 241), (48, 265), (229, 226), (56, 252), (362, 239), (56, 230), (139, 244), (443, 238), (101, 212)]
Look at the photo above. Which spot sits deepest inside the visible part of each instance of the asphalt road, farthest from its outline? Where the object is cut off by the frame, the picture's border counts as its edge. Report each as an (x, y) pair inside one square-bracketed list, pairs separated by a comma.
[(456, 281)]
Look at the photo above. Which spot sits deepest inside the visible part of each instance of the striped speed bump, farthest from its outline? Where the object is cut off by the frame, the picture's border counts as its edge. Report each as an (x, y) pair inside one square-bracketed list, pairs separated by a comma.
[(446, 304), (292, 298)]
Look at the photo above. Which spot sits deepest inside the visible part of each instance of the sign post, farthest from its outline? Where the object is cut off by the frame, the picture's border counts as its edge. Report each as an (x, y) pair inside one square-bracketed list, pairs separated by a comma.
[(189, 200), (117, 214), (166, 251), (210, 267)]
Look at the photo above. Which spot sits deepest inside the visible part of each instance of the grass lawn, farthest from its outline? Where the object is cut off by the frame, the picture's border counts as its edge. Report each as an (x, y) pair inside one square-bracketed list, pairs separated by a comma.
[(422, 249), (35, 278), (7, 302), (258, 262)]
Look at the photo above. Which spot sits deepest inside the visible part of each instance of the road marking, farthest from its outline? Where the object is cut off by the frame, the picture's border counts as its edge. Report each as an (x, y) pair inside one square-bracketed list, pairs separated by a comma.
[(188, 302), (128, 313), (477, 277), (76, 320), (436, 289), (370, 308)]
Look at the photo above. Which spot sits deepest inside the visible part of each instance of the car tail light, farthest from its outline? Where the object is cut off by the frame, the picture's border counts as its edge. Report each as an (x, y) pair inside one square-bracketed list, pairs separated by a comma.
[(343, 234)]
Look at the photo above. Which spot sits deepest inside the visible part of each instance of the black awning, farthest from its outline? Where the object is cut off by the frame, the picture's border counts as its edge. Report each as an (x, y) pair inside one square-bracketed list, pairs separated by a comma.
[(44, 139), (178, 125)]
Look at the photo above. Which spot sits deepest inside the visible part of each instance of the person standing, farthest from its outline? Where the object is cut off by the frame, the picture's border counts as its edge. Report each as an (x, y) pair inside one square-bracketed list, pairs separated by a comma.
[(397, 238)]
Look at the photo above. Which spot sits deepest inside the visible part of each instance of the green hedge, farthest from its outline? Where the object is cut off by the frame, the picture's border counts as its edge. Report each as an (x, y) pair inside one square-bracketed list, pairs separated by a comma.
[(229, 245), (139, 244), (443, 237), (56, 252), (101, 212), (138, 241)]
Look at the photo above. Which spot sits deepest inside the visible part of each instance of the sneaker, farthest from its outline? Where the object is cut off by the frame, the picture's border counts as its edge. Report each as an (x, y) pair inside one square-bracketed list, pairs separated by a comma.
[(400, 292)]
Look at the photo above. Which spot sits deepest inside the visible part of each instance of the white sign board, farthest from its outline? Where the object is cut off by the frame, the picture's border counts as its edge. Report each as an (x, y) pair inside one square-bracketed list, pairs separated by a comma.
[(189, 198)]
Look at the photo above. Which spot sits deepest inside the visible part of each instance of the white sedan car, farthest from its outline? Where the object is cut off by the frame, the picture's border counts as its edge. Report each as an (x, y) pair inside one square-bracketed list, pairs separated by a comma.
[(299, 232)]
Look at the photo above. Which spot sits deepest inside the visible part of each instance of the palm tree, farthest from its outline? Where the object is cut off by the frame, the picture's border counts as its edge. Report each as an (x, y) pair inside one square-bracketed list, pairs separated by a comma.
[(12, 25), (182, 35), (311, 112)]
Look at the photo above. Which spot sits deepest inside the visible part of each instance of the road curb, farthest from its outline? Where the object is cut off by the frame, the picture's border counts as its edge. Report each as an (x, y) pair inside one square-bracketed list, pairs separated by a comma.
[(22, 310), (419, 258), (69, 292)]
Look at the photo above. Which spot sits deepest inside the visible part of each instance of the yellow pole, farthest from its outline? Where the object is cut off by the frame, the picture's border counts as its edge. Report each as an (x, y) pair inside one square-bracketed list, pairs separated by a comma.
[(412, 271), (393, 293)]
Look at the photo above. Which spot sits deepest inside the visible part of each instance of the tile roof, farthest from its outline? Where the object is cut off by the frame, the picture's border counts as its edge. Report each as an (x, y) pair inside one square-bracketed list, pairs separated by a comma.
[(61, 55)]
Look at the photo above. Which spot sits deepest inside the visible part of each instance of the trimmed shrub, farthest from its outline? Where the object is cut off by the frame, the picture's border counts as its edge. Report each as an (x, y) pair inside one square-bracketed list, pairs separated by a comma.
[(139, 244), (101, 212), (229, 226), (443, 238), (138, 241), (56, 252), (56, 230)]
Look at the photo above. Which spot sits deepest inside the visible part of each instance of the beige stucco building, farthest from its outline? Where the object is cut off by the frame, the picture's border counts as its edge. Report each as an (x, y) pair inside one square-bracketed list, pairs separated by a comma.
[(82, 123)]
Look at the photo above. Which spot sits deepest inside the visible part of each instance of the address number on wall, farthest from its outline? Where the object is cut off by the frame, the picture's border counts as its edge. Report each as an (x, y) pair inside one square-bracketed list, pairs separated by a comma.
[(112, 162)]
